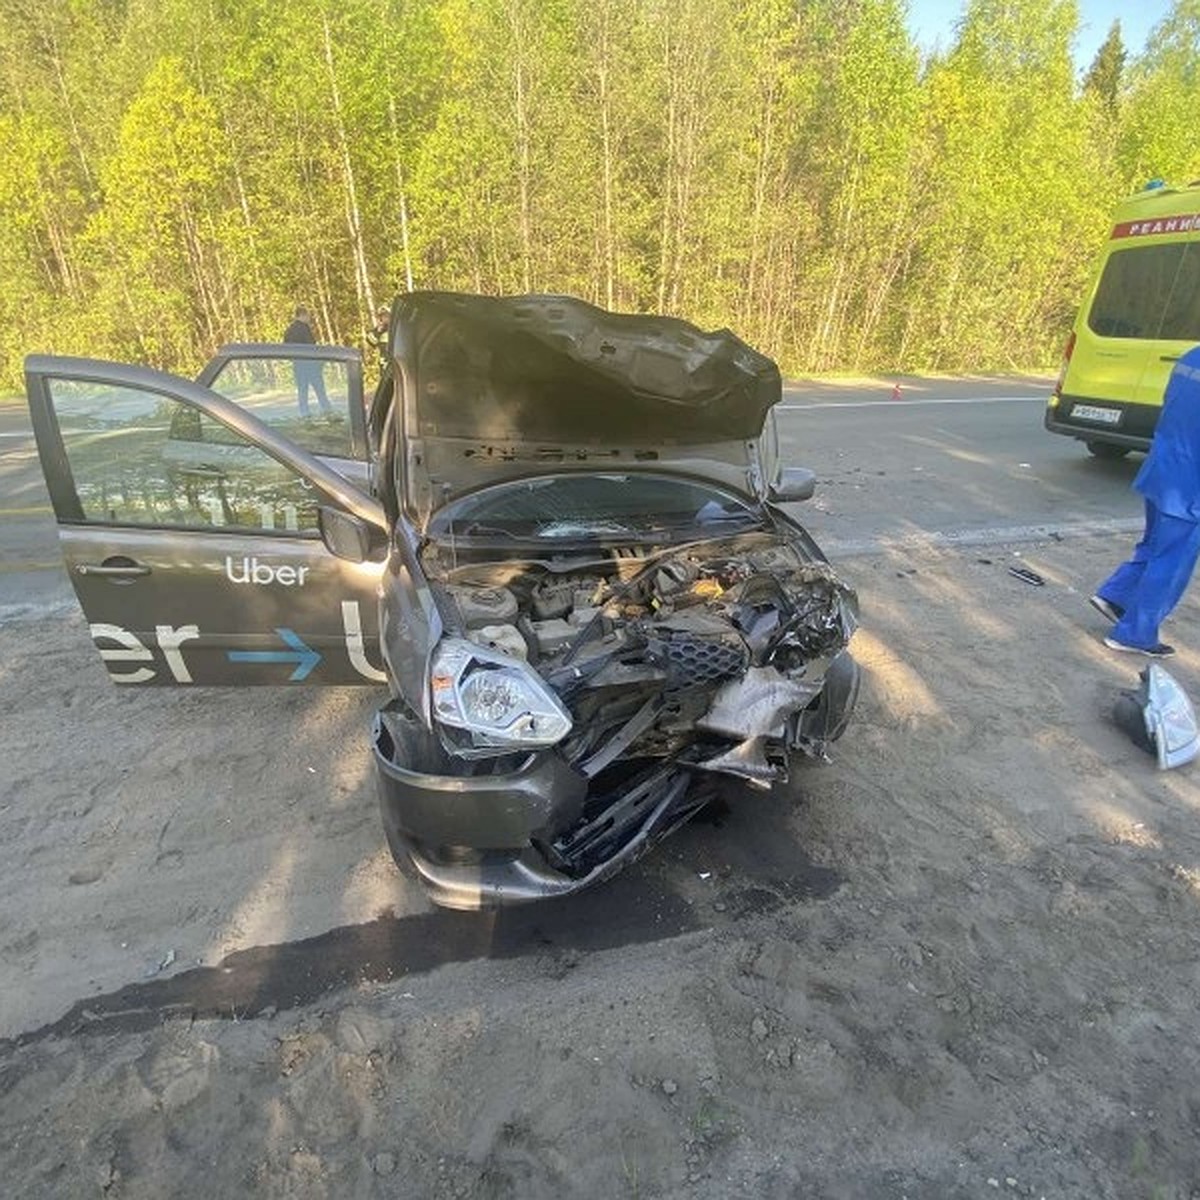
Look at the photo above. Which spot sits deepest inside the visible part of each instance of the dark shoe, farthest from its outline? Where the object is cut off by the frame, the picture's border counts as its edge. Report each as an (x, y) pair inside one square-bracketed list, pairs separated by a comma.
[(1158, 650), (1106, 608)]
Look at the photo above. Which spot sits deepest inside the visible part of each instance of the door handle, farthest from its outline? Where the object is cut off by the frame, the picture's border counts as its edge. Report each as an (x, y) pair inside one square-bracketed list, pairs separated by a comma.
[(1169, 357), (124, 571)]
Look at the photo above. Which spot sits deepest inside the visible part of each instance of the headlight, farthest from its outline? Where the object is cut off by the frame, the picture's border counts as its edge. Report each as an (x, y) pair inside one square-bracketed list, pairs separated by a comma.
[(499, 700), (1170, 718)]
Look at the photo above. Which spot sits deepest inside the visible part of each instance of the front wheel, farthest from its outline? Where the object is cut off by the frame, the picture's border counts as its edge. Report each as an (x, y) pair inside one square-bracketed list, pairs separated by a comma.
[(1106, 451)]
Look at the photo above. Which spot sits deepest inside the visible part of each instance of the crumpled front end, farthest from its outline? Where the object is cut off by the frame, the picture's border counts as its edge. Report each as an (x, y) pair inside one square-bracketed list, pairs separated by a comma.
[(665, 670)]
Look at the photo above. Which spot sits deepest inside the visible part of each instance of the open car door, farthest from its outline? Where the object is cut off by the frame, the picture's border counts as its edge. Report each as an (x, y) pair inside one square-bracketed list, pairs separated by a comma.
[(312, 395), (190, 531)]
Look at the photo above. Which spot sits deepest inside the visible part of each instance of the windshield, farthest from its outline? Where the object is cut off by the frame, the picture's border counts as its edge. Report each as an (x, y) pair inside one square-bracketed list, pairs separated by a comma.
[(594, 508)]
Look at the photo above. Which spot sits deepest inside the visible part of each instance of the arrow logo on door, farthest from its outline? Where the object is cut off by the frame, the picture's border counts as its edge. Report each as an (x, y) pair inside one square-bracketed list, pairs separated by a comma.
[(304, 656)]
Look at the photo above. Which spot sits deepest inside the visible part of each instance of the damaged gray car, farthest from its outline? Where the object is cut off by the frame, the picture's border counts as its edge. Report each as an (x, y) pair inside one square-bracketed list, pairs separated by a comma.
[(555, 537)]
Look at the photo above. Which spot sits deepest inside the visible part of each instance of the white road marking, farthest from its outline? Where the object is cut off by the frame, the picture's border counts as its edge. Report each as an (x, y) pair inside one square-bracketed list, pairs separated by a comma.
[(906, 403), (29, 434), (994, 535)]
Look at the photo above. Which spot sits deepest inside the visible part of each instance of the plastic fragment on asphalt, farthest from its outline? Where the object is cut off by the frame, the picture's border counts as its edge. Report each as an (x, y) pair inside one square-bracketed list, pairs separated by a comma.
[(1027, 576)]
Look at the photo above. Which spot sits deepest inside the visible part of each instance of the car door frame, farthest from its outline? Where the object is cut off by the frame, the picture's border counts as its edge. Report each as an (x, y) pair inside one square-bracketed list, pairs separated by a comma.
[(334, 488)]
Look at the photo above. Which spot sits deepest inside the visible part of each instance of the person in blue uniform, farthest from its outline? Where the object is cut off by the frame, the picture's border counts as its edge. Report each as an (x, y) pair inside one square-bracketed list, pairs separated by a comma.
[(1140, 593)]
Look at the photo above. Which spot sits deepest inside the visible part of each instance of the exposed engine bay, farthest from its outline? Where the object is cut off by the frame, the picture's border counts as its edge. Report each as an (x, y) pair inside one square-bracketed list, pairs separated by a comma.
[(595, 608), (675, 665)]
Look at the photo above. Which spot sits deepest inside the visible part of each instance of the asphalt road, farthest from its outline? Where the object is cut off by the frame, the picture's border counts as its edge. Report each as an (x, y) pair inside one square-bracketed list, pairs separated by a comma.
[(951, 460), (957, 460)]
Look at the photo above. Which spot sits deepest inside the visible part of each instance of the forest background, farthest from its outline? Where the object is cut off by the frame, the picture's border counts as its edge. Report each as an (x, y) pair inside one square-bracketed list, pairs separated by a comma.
[(179, 173)]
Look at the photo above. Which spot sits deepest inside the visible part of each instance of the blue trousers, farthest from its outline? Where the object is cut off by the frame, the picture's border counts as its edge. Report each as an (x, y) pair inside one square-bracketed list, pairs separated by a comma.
[(1153, 581), (310, 375)]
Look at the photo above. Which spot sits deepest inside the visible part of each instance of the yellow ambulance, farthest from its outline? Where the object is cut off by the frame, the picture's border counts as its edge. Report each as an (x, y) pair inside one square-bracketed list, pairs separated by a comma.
[(1140, 313)]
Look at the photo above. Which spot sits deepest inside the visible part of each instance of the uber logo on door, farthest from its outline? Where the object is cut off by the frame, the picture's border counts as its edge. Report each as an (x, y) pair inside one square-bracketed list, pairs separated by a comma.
[(250, 570)]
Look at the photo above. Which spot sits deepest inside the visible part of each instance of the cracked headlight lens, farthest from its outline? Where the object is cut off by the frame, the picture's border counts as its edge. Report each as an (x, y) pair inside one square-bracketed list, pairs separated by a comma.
[(500, 700)]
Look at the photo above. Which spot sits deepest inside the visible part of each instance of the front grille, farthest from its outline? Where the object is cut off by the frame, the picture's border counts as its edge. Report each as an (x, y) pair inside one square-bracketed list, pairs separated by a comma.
[(694, 661)]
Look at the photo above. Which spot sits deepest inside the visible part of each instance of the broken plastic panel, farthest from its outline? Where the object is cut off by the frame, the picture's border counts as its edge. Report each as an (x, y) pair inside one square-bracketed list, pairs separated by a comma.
[(1159, 717)]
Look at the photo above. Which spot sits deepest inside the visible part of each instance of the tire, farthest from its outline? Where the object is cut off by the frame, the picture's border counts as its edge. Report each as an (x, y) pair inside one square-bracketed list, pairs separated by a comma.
[(1106, 451)]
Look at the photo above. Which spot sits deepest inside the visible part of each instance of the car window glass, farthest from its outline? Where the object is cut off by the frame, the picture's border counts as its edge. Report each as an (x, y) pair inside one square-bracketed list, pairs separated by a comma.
[(141, 458), (1149, 292), (306, 400)]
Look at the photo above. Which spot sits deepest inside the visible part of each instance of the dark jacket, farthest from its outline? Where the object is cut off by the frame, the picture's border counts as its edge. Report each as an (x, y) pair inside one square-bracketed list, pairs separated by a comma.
[(299, 331)]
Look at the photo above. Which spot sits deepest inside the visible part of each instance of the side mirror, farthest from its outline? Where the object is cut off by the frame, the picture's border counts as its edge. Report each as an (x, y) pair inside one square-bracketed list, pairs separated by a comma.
[(794, 483), (349, 537)]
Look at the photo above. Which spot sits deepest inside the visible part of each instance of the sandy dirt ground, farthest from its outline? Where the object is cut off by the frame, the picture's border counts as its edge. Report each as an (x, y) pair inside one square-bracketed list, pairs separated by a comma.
[(960, 960)]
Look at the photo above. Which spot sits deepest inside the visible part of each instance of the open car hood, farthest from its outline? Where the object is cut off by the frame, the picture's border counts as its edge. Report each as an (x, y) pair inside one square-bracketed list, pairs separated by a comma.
[(496, 388)]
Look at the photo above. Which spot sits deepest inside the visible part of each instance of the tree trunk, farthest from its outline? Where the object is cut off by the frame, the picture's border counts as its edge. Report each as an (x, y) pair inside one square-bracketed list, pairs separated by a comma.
[(762, 167), (665, 257), (524, 152), (195, 255), (607, 248), (76, 136), (362, 278), (402, 193)]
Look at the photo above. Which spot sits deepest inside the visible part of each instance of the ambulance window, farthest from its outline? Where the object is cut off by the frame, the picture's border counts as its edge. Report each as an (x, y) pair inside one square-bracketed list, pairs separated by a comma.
[(1149, 292), (1181, 316)]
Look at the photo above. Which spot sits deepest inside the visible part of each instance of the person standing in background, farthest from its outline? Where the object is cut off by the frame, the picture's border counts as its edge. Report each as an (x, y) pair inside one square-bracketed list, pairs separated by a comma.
[(308, 373), (378, 337), (1140, 593)]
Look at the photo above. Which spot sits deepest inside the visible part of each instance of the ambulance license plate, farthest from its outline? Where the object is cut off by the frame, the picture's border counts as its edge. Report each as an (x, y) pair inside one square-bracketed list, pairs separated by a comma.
[(1091, 412)]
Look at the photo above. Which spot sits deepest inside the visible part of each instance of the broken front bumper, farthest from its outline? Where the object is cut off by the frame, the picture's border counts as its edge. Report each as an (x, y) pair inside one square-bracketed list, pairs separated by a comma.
[(473, 840), (534, 827), (484, 841)]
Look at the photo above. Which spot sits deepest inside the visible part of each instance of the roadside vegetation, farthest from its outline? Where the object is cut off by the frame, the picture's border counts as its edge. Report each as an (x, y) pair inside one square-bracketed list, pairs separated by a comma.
[(176, 174)]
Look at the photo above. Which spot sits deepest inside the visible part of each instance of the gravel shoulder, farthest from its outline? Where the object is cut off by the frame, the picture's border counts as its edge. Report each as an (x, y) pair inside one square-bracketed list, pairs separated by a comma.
[(959, 959)]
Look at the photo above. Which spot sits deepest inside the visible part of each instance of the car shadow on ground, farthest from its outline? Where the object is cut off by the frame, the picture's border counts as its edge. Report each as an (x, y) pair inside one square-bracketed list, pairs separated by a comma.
[(738, 858)]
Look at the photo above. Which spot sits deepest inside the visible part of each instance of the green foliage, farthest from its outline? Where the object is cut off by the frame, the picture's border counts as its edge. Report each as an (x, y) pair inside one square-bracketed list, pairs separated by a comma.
[(179, 173), (1158, 135), (1103, 78)]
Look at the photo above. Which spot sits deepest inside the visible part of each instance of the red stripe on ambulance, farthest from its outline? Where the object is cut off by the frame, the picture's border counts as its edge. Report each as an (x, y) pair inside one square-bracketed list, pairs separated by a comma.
[(1184, 223)]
